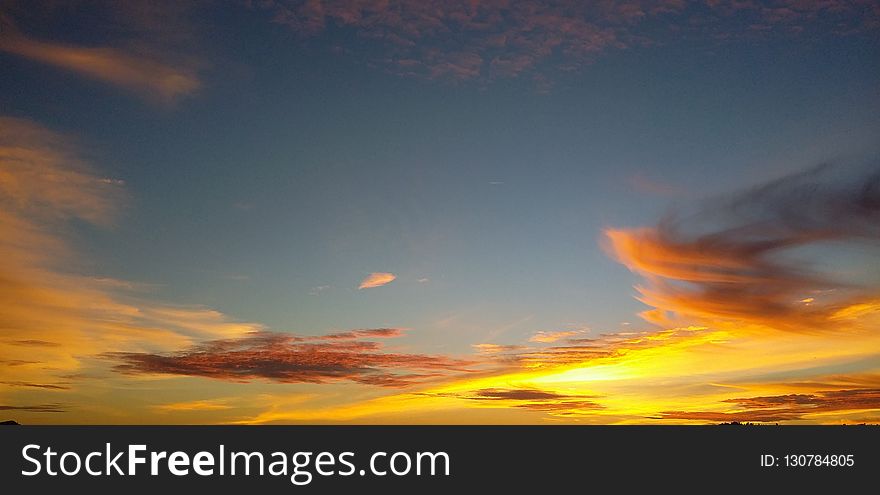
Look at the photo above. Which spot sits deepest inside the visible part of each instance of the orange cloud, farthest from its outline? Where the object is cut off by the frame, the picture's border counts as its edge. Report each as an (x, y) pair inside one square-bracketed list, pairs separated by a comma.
[(735, 341), (382, 333), (142, 73), (55, 320), (65, 332), (548, 337), (195, 405), (788, 407), (528, 398), (377, 279), (739, 267)]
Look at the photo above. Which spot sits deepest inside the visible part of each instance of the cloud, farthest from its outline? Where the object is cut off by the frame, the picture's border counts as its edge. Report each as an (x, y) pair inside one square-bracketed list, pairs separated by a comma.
[(135, 72), (747, 417), (317, 290), (833, 400), (286, 358), (516, 394), (50, 308), (528, 398), (548, 337), (580, 351), (36, 408), (43, 176), (149, 59), (563, 355), (458, 40), (787, 407), (48, 386), (377, 279), (34, 343), (540, 40), (733, 260), (719, 362), (384, 333), (493, 349), (195, 405)]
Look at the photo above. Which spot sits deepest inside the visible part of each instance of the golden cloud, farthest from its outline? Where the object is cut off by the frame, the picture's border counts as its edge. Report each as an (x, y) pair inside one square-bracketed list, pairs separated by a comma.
[(377, 279), (54, 319)]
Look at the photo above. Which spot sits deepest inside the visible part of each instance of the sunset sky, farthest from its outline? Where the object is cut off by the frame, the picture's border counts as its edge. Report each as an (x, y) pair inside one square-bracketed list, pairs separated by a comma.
[(419, 211)]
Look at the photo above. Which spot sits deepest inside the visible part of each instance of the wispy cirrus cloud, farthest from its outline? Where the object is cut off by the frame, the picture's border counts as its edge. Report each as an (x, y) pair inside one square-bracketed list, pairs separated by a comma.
[(496, 349), (44, 177), (380, 333), (53, 317), (528, 398), (36, 408), (462, 40), (143, 74), (146, 52), (548, 337), (48, 386), (377, 279), (194, 405)]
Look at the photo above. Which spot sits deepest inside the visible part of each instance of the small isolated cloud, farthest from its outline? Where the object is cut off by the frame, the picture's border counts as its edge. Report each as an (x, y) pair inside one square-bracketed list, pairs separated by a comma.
[(493, 349), (317, 290), (548, 337), (377, 279), (368, 333)]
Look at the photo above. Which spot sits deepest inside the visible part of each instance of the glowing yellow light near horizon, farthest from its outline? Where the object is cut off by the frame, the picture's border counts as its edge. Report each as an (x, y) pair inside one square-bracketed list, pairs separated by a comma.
[(586, 374)]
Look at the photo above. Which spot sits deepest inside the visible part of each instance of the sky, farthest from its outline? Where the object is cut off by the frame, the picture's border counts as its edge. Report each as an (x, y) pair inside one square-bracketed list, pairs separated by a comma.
[(427, 212)]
